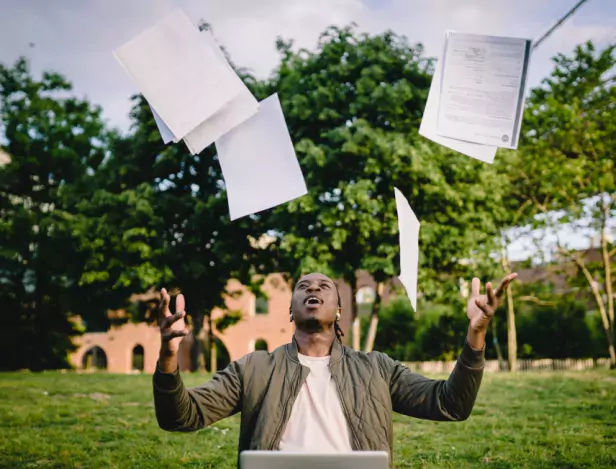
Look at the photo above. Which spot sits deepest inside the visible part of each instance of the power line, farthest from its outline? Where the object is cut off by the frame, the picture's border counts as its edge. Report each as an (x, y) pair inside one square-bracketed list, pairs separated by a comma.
[(558, 23)]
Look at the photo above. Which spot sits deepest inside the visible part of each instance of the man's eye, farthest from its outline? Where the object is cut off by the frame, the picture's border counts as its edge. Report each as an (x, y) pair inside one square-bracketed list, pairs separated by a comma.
[(325, 285), (301, 286)]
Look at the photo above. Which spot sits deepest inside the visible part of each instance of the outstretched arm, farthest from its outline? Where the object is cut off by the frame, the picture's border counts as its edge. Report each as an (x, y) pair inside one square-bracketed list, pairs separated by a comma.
[(431, 399), (452, 399), (181, 409)]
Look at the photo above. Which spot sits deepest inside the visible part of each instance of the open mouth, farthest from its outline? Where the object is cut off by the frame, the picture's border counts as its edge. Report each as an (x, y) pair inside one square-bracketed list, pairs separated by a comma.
[(313, 301)]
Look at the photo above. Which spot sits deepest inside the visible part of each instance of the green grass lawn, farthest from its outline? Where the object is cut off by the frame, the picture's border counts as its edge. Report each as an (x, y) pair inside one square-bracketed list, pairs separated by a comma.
[(62, 420)]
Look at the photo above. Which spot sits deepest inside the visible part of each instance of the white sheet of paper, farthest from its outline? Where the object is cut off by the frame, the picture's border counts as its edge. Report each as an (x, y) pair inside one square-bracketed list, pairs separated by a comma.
[(178, 75), (482, 88), (408, 227), (233, 114), (258, 162), (236, 111), (165, 132), (429, 120)]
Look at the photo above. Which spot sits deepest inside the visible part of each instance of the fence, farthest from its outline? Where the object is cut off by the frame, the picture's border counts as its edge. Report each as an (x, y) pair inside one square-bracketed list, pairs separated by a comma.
[(546, 364)]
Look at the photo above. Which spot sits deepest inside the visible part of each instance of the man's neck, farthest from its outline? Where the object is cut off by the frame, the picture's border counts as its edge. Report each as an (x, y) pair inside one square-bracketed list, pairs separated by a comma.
[(314, 344)]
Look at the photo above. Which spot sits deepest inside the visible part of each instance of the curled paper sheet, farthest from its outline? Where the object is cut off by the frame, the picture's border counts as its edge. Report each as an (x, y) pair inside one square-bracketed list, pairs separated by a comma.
[(482, 88), (428, 127), (408, 227), (236, 111), (181, 78)]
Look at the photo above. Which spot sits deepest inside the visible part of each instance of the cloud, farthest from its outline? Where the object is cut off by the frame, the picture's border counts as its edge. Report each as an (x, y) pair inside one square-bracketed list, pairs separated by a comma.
[(77, 38), (249, 29)]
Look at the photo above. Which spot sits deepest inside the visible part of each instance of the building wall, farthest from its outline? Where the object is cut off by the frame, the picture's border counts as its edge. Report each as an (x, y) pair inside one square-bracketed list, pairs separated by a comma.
[(118, 344), (273, 327), (239, 339)]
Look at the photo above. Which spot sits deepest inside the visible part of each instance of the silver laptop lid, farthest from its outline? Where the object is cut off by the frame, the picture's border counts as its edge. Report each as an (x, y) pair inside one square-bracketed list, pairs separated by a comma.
[(284, 460)]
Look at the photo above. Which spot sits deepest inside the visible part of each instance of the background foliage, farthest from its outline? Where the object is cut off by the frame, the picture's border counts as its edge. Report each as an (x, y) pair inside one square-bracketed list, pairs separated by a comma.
[(89, 216)]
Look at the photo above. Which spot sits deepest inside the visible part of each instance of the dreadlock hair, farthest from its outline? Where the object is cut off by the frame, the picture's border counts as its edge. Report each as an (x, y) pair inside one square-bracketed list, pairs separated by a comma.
[(337, 329)]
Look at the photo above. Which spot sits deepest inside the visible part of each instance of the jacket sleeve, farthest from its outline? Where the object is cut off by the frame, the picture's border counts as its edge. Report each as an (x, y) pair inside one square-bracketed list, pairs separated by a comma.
[(443, 400), (179, 409)]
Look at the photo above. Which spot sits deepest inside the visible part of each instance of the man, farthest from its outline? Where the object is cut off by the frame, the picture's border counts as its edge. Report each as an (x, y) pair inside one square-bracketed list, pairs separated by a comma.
[(314, 394)]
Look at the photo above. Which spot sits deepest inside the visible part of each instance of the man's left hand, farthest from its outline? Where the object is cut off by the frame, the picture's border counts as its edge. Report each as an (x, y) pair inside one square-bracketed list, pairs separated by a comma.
[(481, 308)]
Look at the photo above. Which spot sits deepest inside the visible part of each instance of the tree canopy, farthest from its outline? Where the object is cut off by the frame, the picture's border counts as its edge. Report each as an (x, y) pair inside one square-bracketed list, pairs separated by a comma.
[(89, 216), (353, 107), (564, 174), (55, 143)]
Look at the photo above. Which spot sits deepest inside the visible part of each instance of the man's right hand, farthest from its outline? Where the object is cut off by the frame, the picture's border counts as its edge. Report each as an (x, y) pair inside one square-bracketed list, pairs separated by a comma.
[(172, 330)]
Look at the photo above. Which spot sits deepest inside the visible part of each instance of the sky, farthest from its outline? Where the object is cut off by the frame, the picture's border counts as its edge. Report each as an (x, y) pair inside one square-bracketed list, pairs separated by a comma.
[(77, 37)]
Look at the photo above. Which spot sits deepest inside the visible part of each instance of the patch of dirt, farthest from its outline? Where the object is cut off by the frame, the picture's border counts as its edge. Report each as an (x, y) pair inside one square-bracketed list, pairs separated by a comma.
[(97, 396)]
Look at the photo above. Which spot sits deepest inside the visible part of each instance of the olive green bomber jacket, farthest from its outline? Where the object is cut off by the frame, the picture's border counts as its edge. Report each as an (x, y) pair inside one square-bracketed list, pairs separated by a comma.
[(263, 387)]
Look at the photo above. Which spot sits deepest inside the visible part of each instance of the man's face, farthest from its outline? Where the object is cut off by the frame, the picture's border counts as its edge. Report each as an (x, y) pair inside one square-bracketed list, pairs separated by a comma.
[(315, 301)]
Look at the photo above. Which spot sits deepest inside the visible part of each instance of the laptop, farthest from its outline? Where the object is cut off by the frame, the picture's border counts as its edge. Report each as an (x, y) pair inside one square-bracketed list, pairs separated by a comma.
[(284, 460)]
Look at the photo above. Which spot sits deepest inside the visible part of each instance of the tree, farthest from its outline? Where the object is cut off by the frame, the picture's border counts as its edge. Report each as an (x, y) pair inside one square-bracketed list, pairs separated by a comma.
[(122, 215), (120, 242), (557, 330), (563, 176), (193, 246), (397, 330), (54, 143), (353, 108)]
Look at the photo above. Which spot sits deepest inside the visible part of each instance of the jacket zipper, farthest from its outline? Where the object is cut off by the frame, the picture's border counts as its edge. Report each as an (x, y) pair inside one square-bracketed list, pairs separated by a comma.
[(346, 411), (284, 415)]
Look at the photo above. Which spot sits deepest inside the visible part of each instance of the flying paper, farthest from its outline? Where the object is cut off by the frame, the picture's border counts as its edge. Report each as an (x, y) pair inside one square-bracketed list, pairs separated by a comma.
[(408, 227), (233, 114), (258, 162), (165, 132), (428, 127), (182, 79), (482, 88), (236, 111)]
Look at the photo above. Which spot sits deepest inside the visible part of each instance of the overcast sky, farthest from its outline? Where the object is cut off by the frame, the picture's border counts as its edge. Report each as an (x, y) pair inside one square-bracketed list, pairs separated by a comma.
[(77, 37)]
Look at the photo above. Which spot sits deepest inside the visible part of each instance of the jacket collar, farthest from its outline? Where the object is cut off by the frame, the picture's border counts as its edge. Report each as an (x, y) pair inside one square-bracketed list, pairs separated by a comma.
[(336, 351)]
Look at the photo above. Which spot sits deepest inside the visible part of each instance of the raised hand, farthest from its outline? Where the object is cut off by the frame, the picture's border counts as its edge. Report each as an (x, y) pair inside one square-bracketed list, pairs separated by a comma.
[(481, 308), (172, 326)]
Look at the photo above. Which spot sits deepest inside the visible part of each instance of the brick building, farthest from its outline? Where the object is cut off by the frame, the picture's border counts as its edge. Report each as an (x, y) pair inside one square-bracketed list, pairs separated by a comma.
[(265, 322)]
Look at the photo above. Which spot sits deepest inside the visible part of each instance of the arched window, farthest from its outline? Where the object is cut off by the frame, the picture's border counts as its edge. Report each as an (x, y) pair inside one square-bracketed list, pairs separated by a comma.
[(138, 355), (365, 297), (94, 358), (261, 304), (261, 344)]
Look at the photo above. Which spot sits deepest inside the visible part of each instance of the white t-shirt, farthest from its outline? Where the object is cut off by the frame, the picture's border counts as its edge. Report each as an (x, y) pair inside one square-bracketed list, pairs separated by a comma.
[(317, 423)]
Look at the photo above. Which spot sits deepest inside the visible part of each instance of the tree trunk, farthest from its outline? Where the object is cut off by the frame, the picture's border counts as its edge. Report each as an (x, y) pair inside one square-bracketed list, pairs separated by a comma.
[(213, 357), (196, 356), (512, 340), (497, 348), (607, 267), (356, 328), (606, 324), (602, 310), (210, 347), (35, 362), (356, 334), (374, 319)]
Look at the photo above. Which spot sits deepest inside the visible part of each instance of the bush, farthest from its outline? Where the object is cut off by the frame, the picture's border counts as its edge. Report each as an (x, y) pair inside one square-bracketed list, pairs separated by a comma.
[(558, 331), (396, 331), (438, 332)]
